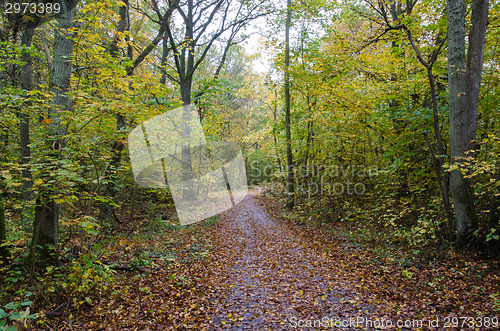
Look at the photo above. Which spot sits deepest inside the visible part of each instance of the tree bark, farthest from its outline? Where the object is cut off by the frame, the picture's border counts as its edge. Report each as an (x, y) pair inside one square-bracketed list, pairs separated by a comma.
[(275, 117), (24, 130), (110, 188), (164, 56), (464, 83), (4, 251), (188, 191), (186, 87), (289, 157), (44, 245)]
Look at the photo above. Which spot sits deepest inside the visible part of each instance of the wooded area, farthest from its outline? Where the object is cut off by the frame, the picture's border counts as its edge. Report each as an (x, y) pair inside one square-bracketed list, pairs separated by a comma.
[(371, 127)]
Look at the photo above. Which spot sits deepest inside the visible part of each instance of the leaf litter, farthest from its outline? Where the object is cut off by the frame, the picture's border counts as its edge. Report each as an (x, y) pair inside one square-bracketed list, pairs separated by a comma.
[(254, 270)]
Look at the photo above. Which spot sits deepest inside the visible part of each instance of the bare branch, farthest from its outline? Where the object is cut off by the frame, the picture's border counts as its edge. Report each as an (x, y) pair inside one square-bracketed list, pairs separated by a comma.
[(159, 37)]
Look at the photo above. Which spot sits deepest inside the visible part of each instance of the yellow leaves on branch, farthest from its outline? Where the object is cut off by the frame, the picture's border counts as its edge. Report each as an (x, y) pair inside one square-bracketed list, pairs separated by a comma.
[(47, 121)]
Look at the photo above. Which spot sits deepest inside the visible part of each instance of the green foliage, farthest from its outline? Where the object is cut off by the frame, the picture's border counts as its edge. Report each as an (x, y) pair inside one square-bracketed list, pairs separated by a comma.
[(496, 302), (407, 274), (260, 169), (359, 98), (15, 312), (85, 278), (211, 221)]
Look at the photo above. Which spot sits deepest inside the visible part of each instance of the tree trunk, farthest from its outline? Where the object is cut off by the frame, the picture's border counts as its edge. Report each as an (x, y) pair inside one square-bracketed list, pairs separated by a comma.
[(164, 57), (396, 10), (442, 177), (110, 189), (45, 231), (24, 130), (46, 223), (464, 84), (188, 191), (106, 210), (186, 87), (289, 157), (4, 252), (275, 116)]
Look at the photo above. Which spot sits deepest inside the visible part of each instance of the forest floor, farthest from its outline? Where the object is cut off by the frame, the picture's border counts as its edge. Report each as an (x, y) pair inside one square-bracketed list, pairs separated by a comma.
[(273, 278), (252, 269)]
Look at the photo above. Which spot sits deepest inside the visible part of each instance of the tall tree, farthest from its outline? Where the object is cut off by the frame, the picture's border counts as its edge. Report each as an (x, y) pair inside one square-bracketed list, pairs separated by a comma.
[(4, 251), (46, 222), (464, 80), (288, 136), (391, 14), (110, 188), (24, 119), (203, 25)]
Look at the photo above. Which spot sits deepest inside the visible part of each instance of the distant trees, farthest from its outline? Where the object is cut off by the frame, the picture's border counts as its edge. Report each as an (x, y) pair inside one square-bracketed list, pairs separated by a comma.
[(379, 91)]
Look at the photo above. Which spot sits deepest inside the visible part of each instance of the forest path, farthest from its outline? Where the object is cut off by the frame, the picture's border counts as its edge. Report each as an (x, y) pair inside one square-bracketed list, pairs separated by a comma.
[(268, 277)]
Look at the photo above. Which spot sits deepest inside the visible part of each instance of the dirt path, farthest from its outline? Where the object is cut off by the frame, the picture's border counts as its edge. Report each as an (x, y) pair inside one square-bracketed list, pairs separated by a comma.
[(252, 270), (272, 278)]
